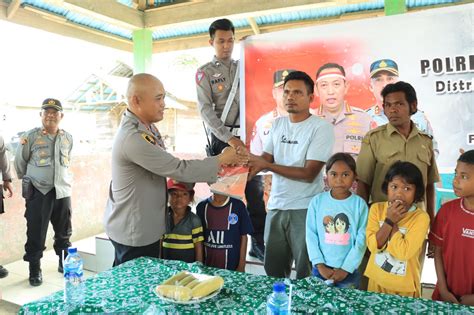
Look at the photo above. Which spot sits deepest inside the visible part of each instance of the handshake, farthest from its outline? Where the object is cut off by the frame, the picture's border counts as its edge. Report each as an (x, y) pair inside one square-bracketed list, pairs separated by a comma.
[(234, 156)]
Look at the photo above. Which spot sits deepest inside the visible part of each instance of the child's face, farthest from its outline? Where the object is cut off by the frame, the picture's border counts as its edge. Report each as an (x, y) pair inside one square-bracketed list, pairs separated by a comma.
[(330, 227), (399, 189), (179, 199), (463, 182), (340, 226), (340, 177)]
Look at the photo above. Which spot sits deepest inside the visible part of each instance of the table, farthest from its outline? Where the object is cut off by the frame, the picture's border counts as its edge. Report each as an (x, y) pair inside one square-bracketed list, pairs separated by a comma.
[(129, 288)]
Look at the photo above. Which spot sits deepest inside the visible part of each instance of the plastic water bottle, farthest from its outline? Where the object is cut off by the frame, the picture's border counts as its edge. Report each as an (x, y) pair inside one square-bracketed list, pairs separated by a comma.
[(277, 302), (73, 281)]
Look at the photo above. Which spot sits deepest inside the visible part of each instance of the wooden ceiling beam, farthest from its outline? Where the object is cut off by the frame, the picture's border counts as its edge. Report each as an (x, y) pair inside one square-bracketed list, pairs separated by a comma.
[(202, 39), (48, 24), (12, 8), (109, 11), (203, 11)]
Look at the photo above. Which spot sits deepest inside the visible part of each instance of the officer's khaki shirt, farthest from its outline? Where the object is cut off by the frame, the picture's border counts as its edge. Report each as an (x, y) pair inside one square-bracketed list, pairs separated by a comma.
[(46, 159), (213, 84), (5, 169), (136, 207), (350, 127), (384, 146)]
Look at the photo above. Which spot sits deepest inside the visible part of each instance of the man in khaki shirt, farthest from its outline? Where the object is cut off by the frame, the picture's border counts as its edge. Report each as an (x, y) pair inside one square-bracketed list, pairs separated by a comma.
[(400, 139)]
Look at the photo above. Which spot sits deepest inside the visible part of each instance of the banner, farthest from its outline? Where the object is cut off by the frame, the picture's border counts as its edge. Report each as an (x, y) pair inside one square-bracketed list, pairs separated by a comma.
[(432, 50)]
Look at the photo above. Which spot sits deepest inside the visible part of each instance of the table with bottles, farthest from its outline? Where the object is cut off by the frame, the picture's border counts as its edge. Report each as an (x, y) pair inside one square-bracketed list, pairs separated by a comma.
[(129, 288)]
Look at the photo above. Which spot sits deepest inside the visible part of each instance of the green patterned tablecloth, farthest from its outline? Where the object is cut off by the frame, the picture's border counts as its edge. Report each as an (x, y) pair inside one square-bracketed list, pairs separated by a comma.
[(129, 289)]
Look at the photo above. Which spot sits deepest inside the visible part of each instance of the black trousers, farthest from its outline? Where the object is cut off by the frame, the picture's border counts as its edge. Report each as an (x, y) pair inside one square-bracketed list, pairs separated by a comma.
[(254, 192), (124, 253), (40, 210)]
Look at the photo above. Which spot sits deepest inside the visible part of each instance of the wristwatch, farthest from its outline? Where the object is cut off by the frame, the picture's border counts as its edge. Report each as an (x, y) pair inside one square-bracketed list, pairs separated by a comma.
[(389, 222)]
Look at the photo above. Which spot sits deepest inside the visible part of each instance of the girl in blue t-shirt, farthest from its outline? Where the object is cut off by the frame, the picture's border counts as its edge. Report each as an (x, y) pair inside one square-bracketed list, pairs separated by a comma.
[(335, 226)]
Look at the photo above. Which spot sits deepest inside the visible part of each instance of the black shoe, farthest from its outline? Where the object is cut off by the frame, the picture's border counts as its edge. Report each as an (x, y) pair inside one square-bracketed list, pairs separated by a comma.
[(60, 266), (3, 272), (36, 278)]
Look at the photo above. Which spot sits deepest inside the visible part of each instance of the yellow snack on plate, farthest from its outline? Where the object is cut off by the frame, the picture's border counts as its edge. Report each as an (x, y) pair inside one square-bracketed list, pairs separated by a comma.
[(187, 280), (176, 278), (175, 292), (192, 284), (206, 287)]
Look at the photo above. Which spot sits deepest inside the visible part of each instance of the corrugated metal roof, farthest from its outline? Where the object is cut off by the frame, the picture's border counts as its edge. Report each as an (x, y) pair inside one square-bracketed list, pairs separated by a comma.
[(79, 18), (202, 28)]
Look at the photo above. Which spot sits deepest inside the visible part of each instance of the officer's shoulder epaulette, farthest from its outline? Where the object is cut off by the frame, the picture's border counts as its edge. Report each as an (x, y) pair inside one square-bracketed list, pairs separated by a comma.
[(28, 135), (205, 66), (376, 130), (357, 109), (31, 132), (67, 134), (425, 134)]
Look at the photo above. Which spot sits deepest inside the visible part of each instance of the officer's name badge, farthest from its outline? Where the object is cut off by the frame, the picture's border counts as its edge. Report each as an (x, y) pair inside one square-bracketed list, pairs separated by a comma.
[(148, 138)]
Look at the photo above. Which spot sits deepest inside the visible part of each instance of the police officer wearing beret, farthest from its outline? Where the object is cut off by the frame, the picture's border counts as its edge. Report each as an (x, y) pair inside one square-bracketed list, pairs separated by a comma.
[(42, 161), (214, 83), (5, 185), (135, 215)]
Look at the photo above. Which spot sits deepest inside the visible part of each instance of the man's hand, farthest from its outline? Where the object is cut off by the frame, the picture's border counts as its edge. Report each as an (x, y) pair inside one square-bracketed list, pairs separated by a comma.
[(396, 211), (431, 250), (325, 271), (339, 275), (257, 164), (237, 143), (447, 296), (7, 186), (229, 156)]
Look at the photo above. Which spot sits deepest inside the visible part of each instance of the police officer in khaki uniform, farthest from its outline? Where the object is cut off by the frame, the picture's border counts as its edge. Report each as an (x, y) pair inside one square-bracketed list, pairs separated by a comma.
[(214, 82), (42, 160), (135, 216), (5, 184), (350, 123), (399, 140)]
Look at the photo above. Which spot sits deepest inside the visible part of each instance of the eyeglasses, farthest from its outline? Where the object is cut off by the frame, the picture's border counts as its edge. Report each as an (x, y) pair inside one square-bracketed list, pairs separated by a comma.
[(50, 112)]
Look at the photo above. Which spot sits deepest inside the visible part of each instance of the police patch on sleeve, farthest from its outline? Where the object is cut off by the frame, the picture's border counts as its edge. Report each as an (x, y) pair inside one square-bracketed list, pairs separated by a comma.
[(148, 138), (23, 141), (199, 76)]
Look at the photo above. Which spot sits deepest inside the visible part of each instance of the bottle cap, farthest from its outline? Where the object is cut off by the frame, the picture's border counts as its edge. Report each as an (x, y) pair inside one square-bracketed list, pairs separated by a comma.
[(72, 250), (279, 287)]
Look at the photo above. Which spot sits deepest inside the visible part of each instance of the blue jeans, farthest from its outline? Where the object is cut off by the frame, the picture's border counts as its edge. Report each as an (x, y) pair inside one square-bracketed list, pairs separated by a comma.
[(351, 281)]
